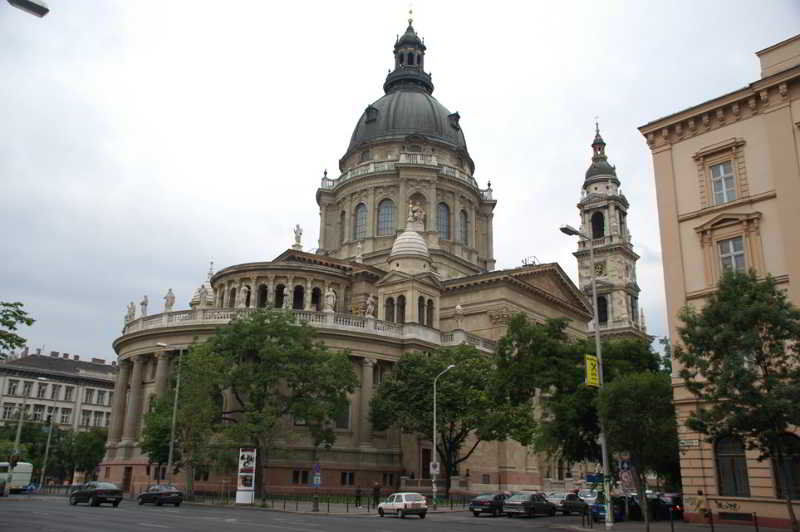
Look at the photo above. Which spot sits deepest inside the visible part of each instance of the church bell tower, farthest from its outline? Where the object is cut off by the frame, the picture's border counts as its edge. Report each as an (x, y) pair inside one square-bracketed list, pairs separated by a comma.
[(604, 211)]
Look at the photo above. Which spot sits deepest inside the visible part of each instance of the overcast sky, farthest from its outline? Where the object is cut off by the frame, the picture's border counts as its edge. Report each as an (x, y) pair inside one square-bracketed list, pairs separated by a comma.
[(141, 139)]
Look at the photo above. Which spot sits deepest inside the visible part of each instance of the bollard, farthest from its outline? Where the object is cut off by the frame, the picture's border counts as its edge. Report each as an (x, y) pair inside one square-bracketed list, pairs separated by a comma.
[(755, 521), (347, 506), (329, 503), (315, 504), (711, 519), (284, 502), (296, 502), (671, 520)]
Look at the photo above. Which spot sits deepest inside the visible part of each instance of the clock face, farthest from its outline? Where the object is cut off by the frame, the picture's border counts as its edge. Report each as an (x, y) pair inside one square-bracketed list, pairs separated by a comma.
[(600, 268)]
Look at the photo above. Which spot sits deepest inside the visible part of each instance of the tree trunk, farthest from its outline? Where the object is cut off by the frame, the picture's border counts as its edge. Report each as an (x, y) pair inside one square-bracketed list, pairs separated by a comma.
[(641, 489), (787, 486), (189, 472)]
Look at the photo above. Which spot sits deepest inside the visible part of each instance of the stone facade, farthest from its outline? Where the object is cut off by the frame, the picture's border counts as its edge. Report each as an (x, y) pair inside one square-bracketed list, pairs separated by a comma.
[(405, 232), (728, 190)]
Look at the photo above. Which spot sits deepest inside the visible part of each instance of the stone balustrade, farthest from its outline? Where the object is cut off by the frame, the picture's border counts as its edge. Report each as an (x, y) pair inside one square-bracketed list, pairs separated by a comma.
[(323, 320), (616, 324)]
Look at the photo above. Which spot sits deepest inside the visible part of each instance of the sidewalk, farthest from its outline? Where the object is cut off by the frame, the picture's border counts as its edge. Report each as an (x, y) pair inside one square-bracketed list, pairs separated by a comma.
[(664, 526)]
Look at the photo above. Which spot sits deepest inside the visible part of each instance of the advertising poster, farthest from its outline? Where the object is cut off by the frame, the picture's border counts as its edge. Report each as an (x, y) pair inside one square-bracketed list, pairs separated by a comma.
[(245, 485)]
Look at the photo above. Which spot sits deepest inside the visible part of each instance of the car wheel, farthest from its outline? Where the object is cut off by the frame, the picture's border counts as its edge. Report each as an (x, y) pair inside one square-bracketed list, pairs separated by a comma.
[(177, 504), (552, 512), (401, 514), (159, 503), (495, 513), (422, 515), (476, 514), (380, 512), (93, 501), (140, 501), (509, 515), (73, 500), (116, 503)]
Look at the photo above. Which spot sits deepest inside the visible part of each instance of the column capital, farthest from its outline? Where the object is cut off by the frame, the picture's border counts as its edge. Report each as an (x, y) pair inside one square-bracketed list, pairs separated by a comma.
[(368, 362)]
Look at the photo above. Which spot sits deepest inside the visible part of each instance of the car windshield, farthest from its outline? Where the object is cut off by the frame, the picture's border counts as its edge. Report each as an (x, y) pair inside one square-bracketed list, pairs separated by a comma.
[(484, 497), (557, 496), (164, 487), (519, 497), (414, 497), (106, 486), (587, 494)]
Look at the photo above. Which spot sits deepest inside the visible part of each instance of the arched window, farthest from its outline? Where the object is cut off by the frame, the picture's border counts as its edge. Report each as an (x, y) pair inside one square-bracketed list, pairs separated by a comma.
[(316, 299), (401, 309), (221, 298), (232, 298), (731, 467), (410, 58), (279, 296), (443, 221), (386, 216), (463, 227), (246, 296), (421, 310), (342, 218), (787, 468), (429, 314), (602, 310), (298, 297), (261, 301), (598, 225), (388, 309), (360, 222)]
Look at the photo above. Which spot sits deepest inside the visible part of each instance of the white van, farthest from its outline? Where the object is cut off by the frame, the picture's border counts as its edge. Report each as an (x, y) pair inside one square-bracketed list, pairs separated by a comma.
[(20, 476)]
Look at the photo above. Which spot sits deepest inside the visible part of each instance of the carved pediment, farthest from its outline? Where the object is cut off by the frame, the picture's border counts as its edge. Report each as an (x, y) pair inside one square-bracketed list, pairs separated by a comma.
[(727, 219)]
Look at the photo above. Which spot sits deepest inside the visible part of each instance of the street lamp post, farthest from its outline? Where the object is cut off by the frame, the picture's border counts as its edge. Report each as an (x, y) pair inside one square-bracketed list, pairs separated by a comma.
[(571, 231), (47, 447), (433, 471), (174, 415)]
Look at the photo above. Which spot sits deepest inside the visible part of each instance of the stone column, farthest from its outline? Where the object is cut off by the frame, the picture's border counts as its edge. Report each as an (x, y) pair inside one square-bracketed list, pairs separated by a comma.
[(134, 412), (254, 292), (271, 291), (118, 407), (162, 372), (365, 427)]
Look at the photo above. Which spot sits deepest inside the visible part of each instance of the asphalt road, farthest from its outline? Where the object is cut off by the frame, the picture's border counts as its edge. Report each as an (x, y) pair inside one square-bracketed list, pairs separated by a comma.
[(55, 515)]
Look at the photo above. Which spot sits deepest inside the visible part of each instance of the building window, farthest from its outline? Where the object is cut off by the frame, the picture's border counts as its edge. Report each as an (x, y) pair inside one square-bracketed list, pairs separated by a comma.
[(348, 478), (38, 412), (486, 479), (88, 396), (101, 397), (731, 467), (55, 391), (598, 225), (602, 310), (280, 293), (41, 391), (66, 416), (52, 412), (731, 254), (366, 155), (26, 388), (443, 221), (86, 418), (421, 310), (98, 419), (723, 182), (8, 410), (463, 228), (107, 474), (13, 386), (360, 222), (388, 479), (401, 309), (386, 217), (429, 314), (342, 420), (342, 217), (787, 468), (108, 419), (388, 313), (300, 476)]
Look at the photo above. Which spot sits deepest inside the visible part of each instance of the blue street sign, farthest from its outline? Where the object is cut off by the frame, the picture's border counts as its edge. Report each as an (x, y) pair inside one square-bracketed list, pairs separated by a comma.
[(317, 469), (597, 478), (624, 465)]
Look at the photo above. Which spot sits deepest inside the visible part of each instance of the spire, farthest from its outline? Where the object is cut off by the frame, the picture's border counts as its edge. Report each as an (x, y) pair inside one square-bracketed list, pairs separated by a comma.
[(210, 270), (409, 62), (600, 165)]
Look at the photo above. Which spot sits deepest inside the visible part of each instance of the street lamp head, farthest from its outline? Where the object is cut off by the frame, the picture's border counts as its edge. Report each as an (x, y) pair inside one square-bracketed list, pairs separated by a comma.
[(34, 7), (451, 366), (161, 344), (42, 378), (569, 230)]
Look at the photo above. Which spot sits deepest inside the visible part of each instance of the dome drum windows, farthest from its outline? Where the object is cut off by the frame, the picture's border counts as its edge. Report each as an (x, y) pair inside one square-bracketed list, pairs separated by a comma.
[(598, 225), (360, 222), (463, 228), (443, 220), (387, 215)]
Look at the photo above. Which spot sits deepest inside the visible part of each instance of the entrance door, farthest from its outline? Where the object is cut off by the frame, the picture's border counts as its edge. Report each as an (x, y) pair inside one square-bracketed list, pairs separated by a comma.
[(126, 479), (426, 461)]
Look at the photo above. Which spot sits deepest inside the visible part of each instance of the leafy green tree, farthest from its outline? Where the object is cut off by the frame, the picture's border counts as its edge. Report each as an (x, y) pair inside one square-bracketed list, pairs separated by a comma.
[(541, 356), (639, 419), (90, 446), (741, 357), (157, 431), (467, 405), (270, 366), (11, 316)]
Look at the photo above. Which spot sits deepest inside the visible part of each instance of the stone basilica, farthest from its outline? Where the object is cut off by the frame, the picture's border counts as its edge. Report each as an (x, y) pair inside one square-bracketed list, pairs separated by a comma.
[(405, 263)]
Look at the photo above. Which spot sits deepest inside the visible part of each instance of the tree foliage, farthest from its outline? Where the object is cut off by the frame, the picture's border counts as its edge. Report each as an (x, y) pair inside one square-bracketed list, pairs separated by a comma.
[(471, 401), (639, 419), (741, 357), (270, 367), (11, 316)]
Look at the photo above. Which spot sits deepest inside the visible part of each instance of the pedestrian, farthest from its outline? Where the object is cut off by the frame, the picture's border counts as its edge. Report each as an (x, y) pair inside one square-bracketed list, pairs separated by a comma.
[(701, 505), (376, 494), (358, 497)]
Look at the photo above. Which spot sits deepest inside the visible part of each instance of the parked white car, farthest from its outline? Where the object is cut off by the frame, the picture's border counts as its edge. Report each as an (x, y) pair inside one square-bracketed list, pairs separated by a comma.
[(403, 504)]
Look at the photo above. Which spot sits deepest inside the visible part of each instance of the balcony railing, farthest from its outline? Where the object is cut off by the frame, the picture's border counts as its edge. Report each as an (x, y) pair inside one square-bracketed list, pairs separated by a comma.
[(324, 320)]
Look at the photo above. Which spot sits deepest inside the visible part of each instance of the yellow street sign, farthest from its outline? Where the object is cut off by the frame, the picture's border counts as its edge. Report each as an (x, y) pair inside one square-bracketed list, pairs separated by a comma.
[(592, 373)]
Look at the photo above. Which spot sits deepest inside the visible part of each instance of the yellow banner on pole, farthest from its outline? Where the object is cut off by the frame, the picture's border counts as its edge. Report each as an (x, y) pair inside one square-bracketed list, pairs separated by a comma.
[(592, 373)]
